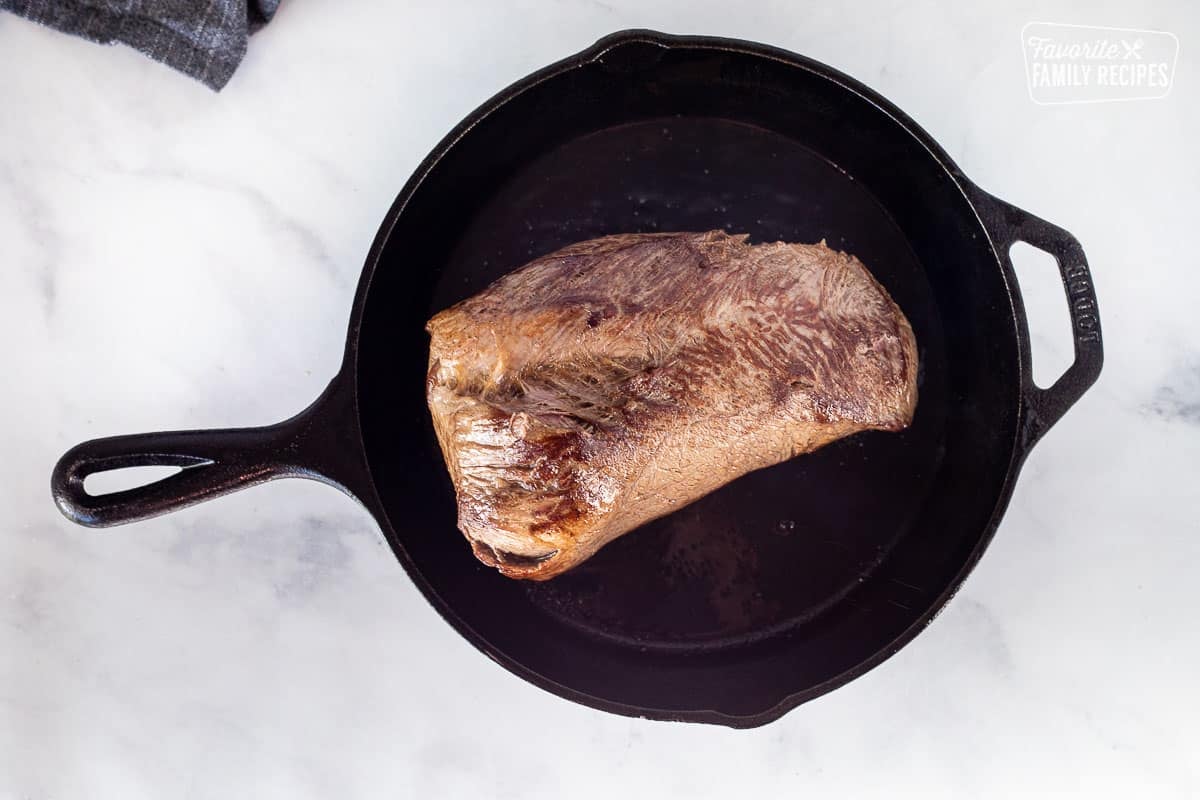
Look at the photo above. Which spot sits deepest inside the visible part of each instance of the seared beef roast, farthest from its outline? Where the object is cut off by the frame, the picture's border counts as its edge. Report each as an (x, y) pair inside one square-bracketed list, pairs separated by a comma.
[(618, 379)]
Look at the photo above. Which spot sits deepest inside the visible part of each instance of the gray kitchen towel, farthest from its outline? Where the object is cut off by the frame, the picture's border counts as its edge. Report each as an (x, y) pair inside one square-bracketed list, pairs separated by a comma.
[(202, 38)]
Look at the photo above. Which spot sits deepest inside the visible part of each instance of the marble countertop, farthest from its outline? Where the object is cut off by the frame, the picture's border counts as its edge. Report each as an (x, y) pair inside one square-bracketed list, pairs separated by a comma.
[(267, 644)]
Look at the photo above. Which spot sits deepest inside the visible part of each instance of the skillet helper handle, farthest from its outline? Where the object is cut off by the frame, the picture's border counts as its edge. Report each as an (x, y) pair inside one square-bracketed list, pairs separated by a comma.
[(322, 443), (1007, 225)]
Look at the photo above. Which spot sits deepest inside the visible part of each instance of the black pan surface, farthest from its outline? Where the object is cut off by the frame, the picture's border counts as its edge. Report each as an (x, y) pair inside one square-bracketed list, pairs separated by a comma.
[(778, 547), (785, 583)]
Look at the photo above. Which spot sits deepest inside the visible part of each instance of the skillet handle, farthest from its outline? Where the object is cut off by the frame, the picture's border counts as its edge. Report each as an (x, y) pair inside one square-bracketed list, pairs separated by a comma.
[(213, 462), (320, 442), (1008, 225)]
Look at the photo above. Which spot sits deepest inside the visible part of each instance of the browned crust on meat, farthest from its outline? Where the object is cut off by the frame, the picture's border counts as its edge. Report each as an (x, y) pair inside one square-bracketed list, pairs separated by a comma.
[(618, 379)]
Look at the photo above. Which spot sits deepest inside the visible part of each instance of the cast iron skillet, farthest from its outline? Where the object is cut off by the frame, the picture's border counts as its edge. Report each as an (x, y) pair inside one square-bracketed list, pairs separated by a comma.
[(784, 584)]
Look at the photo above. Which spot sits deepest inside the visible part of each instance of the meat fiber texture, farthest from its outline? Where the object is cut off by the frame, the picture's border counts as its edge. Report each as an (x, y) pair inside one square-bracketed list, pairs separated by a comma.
[(619, 379)]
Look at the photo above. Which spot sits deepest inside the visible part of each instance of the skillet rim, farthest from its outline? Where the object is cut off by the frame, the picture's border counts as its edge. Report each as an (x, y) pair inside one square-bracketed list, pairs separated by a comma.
[(973, 198)]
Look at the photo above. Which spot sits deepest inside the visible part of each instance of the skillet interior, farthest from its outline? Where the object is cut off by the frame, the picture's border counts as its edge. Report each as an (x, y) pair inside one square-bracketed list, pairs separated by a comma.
[(790, 580)]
